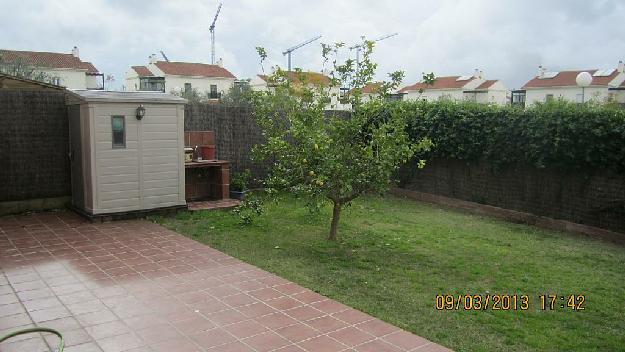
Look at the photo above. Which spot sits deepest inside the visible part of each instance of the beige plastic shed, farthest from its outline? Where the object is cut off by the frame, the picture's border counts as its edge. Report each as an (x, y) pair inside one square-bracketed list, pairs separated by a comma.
[(126, 151)]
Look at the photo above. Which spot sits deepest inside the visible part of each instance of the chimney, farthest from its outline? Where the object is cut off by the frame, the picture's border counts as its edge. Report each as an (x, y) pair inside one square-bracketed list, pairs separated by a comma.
[(75, 52), (541, 71), (220, 62), (153, 59), (621, 66), (481, 74)]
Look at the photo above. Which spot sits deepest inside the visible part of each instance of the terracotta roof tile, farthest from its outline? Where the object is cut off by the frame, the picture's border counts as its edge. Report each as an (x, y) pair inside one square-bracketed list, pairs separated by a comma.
[(47, 59), (310, 77), (567, 79), (371, 88), (193, 69), (487, 84), (449, 82), (142, 71), (89, 67)]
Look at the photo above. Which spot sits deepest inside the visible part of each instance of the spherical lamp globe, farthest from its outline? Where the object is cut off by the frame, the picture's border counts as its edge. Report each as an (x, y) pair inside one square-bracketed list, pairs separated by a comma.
[(583, 79)]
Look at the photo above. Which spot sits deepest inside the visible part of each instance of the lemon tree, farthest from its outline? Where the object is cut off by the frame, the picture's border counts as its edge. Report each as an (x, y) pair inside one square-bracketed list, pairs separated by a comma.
[(329, 155)]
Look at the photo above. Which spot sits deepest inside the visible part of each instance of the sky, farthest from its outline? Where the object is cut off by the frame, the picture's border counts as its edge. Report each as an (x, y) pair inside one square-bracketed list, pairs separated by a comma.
[(506, 39)]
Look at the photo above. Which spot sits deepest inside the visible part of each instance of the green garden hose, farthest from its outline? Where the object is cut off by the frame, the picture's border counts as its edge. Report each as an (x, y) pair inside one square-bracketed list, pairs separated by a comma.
[(32, 330)]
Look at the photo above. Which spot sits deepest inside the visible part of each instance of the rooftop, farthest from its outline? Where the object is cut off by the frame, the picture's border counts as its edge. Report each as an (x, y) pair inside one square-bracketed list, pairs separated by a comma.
[(192, 69), (301, 77), (48, 60), (371, 88), (487, 84), (567, 79), (449, 82), (127, 97), (142, 71)]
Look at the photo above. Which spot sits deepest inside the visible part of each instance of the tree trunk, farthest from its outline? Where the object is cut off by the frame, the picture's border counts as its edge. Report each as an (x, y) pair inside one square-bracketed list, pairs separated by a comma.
[(336, 213)]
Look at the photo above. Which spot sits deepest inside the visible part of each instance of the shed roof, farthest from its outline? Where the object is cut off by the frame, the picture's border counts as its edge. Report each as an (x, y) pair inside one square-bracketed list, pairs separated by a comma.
[(126, 97)]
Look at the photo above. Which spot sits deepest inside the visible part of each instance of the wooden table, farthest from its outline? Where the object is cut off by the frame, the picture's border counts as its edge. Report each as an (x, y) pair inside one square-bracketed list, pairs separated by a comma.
[(207, 180)]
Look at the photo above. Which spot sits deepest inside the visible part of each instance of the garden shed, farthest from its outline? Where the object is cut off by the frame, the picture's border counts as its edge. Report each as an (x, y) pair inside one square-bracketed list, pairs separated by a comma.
[(126, 151)]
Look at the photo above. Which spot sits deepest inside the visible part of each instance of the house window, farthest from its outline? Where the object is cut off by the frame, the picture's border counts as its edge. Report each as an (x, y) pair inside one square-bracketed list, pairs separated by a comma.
[(518, 97), (56, 81), (118, 127), (214, 94), (187, 88), (156, 84), (549, 97), (395, 97)]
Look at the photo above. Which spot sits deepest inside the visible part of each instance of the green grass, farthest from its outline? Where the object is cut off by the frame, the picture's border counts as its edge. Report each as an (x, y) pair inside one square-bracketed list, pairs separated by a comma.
[(395, 255)]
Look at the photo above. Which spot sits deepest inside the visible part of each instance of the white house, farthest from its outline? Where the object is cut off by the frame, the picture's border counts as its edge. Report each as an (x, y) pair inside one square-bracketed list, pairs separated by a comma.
[(471, 87), (618, 93), (605, 85), (308, 78), (66, 70), (166, 76), (491, 91)]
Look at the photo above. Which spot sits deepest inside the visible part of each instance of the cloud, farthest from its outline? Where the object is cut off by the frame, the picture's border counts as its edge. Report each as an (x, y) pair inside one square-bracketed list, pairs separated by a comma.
[(505, 39)]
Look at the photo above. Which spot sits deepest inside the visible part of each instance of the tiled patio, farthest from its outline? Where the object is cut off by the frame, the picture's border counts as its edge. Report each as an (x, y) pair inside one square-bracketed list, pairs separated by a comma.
[(136, 286)]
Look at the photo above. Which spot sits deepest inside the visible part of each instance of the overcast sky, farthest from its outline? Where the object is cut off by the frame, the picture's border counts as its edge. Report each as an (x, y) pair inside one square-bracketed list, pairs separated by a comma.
[(505, 39)]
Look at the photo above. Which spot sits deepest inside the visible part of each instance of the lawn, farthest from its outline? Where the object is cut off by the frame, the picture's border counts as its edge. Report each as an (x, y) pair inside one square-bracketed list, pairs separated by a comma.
[(395, 255)]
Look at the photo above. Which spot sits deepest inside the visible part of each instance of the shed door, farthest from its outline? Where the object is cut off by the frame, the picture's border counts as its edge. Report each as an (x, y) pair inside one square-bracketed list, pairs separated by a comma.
[(160, 157), (117, 157)]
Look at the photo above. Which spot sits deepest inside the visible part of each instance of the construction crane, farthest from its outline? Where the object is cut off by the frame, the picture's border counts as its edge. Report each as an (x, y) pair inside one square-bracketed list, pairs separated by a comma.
[(212, 30), (293, 48), (358, 47), (164, 56)]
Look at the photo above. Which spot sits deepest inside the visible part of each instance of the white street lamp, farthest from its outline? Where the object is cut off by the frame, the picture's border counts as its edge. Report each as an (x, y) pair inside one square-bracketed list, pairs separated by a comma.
[(583, 80)]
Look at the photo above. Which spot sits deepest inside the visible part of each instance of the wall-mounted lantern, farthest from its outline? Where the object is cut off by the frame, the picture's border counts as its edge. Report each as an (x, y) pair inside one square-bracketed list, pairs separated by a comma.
[(140, 112)]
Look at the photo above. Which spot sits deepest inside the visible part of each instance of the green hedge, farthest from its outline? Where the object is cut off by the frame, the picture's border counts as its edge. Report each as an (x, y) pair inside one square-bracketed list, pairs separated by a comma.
[(558, 135)]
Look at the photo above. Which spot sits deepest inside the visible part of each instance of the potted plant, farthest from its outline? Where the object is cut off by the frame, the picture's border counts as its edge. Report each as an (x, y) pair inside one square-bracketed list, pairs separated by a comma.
[(238, 184)]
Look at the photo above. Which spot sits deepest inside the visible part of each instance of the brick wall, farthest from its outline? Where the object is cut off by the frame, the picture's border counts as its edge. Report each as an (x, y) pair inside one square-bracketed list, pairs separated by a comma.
[(33, 145), (236, 133), (591, 199)]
